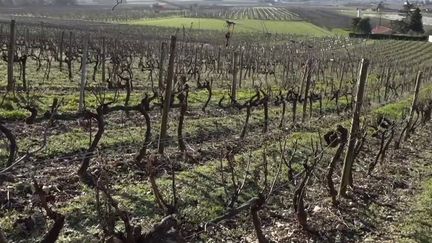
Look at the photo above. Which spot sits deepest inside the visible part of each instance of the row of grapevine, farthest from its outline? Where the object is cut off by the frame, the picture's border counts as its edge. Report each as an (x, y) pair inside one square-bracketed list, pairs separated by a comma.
[(260, 13)]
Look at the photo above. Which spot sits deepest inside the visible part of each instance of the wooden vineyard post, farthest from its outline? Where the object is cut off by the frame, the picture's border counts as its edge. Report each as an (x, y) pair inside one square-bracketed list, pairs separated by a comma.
[(167, 99), (83, 74), (61, 51), (103, 58), (304, 79), (69, 56), (349, 157), (219, 61), (241, 68), (387, 83), (11, 50), (161, 65), (306, 91), (234, 80), (195, 65), (413, 105)]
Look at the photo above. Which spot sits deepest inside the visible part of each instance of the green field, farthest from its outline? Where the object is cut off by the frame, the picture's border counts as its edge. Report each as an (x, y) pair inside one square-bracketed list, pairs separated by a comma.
[(245, 25)]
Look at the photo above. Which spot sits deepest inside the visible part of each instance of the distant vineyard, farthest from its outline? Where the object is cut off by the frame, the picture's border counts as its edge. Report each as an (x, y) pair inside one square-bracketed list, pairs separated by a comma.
[(261, 13)]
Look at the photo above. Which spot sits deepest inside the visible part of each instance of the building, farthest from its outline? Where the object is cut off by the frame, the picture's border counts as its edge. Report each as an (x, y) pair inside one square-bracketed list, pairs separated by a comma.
[(382, 30)]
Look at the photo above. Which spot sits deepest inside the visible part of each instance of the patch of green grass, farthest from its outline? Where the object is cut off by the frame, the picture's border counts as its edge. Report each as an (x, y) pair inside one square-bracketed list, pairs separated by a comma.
[(244, 25), (399, 109), (82, 220), (304, 137), (425, 94), (418, 228), (14, 114), (7, 221), (393, 111), (138, 198)]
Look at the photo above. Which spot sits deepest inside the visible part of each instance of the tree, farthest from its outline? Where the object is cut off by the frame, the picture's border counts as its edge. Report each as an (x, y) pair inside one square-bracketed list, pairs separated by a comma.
[(365, 26), (400, 26), (355, 23), (361, 25), (416, 23)]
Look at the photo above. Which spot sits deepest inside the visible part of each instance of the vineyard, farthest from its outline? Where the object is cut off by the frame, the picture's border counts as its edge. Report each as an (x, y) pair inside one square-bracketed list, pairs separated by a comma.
[(276, 20), (130, 13), (260, 13), (89, 13), (124, 134), (242, 26)]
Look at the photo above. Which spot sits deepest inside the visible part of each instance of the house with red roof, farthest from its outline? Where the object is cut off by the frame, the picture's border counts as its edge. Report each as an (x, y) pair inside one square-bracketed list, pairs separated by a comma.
[(382, 30)]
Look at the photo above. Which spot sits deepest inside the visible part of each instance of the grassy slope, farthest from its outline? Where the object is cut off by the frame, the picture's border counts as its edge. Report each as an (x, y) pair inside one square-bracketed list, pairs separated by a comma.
[(418, 225), (195, 206), (245, 25)]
